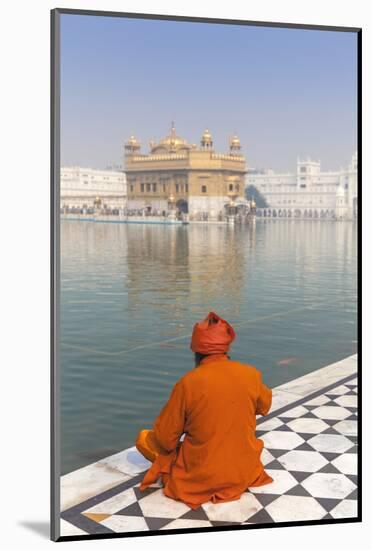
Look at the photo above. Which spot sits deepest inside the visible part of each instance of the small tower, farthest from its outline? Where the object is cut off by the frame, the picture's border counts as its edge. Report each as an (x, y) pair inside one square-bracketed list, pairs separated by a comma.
[(341, 206), (206, 141), (235, 145), (132, 146)]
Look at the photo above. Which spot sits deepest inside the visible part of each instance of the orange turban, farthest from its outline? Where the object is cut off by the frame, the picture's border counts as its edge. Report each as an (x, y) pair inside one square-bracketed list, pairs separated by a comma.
[(212, 335)]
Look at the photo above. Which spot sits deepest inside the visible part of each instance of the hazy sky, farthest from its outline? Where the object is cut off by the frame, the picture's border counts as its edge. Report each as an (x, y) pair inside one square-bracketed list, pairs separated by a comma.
[(286, 92)]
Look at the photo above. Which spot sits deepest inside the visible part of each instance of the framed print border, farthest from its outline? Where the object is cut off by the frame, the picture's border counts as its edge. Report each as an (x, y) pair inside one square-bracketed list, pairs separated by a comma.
[(55, 271)]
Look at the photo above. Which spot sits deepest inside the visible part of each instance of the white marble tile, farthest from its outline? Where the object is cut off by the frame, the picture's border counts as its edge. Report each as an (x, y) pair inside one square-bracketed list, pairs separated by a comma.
[(157, 483), (303, 461), (320, 400), (69, 530), (345, 509), (113, 504), (281, 398), (329, 443), (346, 427), (281, 440), (323, 485), (296, 412), (339, 390), (125, 524), (301, 389), (87, 482), (347, 401), (187, 524), (320, 378), (236, 510), (282, 482), (270, 424), (295, 508), (160, 506), (346, 463), (332, 413), (308, 425), (266, 456), (129, 461)]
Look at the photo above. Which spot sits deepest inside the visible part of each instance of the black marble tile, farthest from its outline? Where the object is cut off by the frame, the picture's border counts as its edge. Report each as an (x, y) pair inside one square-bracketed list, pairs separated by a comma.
[(265, 498), (261, 517), (328, 503), (131, 510), (197, 513), (329, 469), (157, 523), (298, 491)]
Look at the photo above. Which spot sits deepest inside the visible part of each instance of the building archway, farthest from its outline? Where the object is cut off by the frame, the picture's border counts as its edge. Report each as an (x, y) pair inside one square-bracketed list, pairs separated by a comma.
[(182, 206)]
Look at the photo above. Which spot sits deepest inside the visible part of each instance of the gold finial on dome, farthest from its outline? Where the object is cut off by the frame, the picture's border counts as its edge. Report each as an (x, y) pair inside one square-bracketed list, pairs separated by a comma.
[(234, 143), (172, 142), (206, 140), (132, 144)]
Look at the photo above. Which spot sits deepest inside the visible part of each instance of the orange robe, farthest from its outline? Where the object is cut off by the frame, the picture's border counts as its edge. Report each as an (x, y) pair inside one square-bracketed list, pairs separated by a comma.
[(215, 406)]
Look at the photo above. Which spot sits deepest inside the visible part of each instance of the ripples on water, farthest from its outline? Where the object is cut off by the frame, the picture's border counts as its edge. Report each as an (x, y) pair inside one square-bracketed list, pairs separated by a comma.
[(130, 295)]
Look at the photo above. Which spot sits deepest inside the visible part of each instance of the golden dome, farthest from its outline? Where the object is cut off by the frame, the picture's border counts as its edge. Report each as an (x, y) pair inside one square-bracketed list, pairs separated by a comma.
[(132, 143), (206, 136), (234, 142), (206, 140), (173, 141)]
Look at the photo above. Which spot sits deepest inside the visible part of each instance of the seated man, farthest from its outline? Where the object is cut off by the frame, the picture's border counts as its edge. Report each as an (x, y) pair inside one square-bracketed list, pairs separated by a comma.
[(215, 407)]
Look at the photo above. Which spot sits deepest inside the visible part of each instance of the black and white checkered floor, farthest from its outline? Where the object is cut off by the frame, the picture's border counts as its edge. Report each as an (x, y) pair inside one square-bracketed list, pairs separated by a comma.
[(310, 451)]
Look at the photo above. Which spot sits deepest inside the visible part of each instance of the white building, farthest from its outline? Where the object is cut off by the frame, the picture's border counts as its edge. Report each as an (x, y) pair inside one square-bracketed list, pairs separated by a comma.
[(308, 193), (87, 188)]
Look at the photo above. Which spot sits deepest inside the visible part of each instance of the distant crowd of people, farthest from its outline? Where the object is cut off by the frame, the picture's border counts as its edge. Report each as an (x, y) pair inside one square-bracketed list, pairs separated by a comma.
[(142, 212), (145, 212)]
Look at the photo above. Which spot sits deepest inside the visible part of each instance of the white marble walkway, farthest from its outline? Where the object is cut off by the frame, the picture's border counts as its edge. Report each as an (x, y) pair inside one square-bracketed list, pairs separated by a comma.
[(310, 451)]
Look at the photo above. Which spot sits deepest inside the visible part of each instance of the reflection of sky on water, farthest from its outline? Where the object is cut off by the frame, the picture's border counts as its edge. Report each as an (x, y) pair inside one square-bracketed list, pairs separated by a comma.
[(130, 295)]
